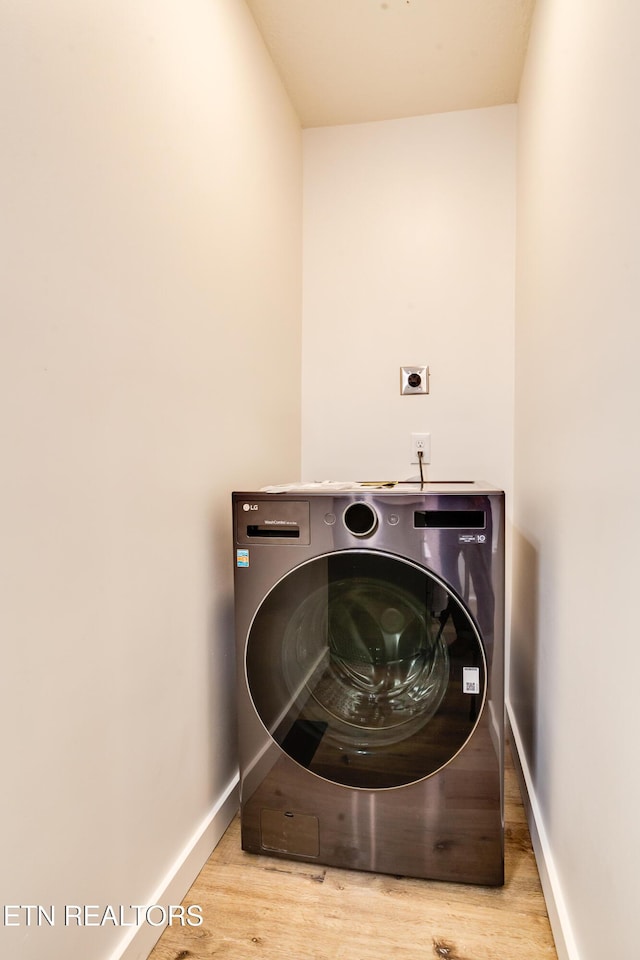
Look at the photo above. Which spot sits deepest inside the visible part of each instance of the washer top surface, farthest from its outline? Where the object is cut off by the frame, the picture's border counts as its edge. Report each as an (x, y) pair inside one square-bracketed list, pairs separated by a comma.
[(391, 487)]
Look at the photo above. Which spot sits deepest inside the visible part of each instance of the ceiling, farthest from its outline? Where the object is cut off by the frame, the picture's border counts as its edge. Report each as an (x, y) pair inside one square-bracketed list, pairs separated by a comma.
[(352, 61)]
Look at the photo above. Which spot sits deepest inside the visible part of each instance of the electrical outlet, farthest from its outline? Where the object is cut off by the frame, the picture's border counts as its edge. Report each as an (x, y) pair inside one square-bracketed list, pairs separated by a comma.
[(420, 441), (414, 380)]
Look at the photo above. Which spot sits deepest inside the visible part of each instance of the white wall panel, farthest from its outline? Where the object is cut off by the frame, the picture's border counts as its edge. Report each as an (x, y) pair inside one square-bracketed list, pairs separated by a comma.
[(151, 263), (574, 646), (409, 259)]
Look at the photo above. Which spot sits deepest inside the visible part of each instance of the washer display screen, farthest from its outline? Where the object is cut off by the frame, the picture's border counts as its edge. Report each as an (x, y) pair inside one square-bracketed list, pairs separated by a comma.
[(366, 669)]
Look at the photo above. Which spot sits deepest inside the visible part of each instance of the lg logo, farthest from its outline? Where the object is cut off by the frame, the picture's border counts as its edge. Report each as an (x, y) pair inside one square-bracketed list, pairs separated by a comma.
[(249, 506)]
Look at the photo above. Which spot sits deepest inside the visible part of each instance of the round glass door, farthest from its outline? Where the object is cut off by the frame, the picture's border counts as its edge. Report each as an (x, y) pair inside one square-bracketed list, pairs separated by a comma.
[(366, 669)]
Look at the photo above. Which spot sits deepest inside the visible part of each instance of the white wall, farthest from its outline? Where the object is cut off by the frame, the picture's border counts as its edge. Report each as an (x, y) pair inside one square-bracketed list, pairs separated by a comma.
[(575, 650), (151, 260), (409, 231)]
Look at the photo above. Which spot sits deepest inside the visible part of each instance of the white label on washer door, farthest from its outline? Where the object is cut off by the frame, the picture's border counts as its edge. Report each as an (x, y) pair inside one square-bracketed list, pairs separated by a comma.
[(471, 679)]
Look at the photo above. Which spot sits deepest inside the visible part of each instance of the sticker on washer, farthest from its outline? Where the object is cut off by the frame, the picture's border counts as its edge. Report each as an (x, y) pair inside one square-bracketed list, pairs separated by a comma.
[(242, 558), (472, 538), (471, 679)]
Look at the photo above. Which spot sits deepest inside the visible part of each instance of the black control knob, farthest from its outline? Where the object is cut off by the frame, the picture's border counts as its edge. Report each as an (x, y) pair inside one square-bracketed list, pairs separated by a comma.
[(360, 519)]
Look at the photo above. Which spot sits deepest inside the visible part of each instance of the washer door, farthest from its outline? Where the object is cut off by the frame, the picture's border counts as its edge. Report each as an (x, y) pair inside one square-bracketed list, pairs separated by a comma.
[(366, 669)]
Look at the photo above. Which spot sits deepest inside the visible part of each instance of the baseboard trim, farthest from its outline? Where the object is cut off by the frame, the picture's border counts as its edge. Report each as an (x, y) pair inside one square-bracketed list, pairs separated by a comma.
[(556, 907), (138, 942)]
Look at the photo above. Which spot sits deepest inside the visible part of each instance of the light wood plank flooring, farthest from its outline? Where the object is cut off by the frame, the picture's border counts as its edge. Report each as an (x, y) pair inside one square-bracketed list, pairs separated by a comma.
[(281, 910)]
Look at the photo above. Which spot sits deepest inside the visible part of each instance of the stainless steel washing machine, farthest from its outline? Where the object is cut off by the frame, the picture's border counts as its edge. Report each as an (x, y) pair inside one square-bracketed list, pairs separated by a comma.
[(370, 638)]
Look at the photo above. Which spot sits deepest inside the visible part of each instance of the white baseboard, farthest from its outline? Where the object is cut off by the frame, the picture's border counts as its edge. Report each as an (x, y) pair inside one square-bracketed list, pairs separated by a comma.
[(556, 908), (138, 943)]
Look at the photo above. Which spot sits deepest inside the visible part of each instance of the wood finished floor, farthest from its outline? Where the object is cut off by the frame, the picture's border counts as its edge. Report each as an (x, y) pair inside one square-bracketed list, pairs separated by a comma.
[(283, 910)]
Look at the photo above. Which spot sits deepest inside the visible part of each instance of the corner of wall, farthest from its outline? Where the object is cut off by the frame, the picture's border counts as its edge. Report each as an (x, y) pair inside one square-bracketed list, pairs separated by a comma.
[(554, 898), (139, 941)]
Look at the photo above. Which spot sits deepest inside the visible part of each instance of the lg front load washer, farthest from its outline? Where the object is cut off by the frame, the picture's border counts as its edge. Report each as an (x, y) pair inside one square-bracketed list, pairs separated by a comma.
[(370, 636)]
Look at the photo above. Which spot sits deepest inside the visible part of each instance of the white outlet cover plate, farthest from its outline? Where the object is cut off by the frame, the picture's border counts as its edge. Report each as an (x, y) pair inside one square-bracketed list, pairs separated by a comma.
[(425, 446)]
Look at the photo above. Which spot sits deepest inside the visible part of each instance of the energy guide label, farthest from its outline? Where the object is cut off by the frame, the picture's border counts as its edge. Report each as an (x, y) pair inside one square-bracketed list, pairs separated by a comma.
[(242, 558), (471, 679)]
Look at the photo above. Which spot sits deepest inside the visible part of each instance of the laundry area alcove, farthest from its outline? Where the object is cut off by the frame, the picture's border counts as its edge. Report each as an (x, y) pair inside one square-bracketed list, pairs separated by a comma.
[(207, 288)]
